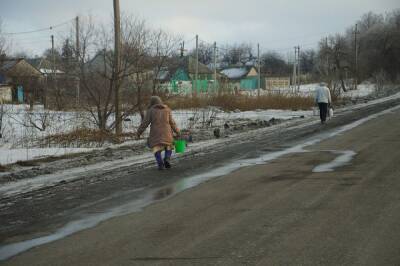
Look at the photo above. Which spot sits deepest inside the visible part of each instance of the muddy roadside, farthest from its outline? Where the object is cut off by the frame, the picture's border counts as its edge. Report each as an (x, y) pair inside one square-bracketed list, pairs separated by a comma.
[(132, 150), (41, 211)]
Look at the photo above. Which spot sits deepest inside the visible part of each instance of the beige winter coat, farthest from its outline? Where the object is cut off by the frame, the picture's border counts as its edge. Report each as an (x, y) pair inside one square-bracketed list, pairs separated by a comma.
[(161, 125)]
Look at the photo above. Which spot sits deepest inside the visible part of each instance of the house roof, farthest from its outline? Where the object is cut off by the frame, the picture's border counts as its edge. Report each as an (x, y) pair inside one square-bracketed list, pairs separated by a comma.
[(40, 63), (103, 59), (8, 64), (251, 62), (235, 72), (18, 67)]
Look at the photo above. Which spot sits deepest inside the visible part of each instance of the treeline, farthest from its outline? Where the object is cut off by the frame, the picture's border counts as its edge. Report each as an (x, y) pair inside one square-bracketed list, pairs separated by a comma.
[(370, 51)]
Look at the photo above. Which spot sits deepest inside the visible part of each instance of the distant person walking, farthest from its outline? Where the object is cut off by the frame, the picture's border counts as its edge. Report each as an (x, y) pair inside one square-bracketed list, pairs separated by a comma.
[(324, 100), (162, 126)]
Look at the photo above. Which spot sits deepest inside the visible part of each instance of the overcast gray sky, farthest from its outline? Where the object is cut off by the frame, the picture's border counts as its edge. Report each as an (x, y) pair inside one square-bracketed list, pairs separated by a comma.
[(276, 25)]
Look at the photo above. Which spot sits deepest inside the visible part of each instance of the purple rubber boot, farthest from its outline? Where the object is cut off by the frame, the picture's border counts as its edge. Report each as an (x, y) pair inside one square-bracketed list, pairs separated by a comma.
[(159, 160), (167, 158)]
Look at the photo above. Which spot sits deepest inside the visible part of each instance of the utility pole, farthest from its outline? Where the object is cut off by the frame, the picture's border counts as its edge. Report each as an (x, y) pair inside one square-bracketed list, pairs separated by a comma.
[(215, 67), (259, 70), (295, 70), (182, 48), (298, 68), (77, 45), (53, 53), (77, 55), (117, 43), (196, 76), (356, 57)]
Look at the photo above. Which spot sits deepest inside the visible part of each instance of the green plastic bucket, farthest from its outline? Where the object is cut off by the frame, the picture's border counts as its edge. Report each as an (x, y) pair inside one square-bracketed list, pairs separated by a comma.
[(180, 146)]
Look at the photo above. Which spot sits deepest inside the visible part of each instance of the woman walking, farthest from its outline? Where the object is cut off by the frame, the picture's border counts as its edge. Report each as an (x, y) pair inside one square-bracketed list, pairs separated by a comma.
[(324, 100), (162, 126)]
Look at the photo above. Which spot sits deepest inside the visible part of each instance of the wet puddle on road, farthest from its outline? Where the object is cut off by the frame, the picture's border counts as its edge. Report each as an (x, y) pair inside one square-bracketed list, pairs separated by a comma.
[(136, 200)]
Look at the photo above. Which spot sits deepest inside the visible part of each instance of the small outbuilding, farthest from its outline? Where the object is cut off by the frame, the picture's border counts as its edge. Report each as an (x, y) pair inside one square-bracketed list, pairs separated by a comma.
[(23, 78)]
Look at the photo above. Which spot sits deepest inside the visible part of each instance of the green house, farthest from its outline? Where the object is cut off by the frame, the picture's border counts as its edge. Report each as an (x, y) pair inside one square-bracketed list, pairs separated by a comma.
[(184, 78), (242, 78)]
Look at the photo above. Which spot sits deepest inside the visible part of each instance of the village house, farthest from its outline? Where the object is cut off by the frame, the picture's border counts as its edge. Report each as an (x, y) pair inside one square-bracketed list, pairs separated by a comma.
[(41, 64), (21, 79), (184, 78), (102, 63), (60, 86), (162, 79), (242, 78)]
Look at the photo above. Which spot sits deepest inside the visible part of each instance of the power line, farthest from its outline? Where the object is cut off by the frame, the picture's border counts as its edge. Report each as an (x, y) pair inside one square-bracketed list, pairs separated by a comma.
[(32, 42), (31, 38), (39, 30)]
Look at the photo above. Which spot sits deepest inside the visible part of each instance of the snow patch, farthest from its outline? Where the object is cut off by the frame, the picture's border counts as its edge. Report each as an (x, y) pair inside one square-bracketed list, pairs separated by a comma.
[(343, 159)]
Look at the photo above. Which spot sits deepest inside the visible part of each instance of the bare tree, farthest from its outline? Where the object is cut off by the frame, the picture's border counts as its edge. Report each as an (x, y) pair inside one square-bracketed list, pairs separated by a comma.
[(95, 72), (163, 47), (206, 53), (237, 54), (137, 67), (273, 64), (308, 61), (378, 45), (339, 56), (332, 61), (96, 69), (369, 20), (377, 42), (3, 44)]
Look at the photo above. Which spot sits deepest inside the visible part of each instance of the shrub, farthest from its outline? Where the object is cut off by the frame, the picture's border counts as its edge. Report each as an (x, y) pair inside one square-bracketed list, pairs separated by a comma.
[(231, 102)]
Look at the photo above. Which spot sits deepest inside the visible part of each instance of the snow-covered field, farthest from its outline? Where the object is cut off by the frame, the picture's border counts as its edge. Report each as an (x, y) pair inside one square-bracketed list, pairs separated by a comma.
[(21, 129), (363, 90), (19, 141), (308, 90)]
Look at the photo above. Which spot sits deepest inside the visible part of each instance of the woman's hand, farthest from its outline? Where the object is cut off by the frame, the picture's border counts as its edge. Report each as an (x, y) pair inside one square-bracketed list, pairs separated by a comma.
[(177, 135)]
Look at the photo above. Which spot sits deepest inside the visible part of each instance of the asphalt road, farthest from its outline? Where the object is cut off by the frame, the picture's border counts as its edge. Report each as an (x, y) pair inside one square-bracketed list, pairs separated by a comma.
[(279, 213)]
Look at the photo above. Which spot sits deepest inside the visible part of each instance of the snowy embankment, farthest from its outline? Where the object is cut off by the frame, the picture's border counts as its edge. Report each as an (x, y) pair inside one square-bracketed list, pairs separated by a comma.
[(308, 90), (20, 137), (22, 130), (144, 160)]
